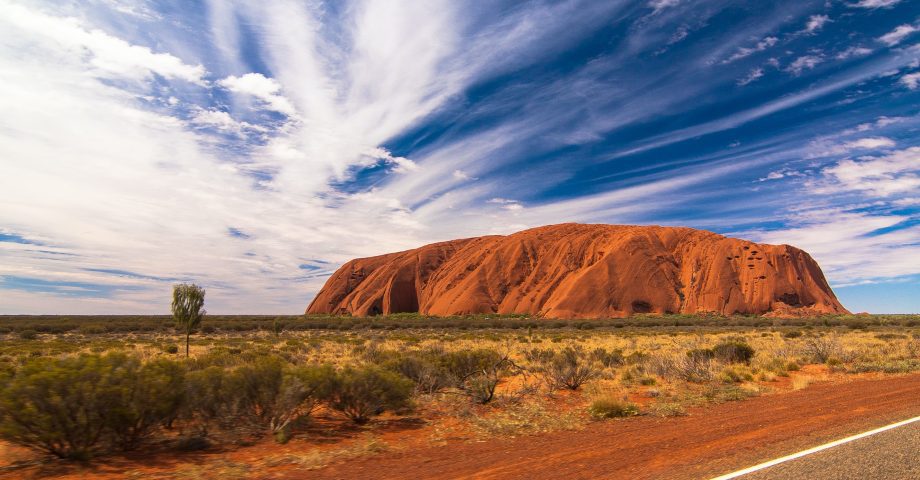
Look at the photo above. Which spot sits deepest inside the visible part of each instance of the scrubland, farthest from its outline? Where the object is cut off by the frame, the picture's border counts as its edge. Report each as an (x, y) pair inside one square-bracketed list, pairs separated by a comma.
[(301, 392)]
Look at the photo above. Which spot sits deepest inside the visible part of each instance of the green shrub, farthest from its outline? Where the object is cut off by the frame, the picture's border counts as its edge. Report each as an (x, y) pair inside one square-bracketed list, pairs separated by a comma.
[(72, 407), (463, 364), (701, 354), (569, 369), (208, 400), (476, 373), (171, 349), (733, 352), (362, 393), (424, 371), (609, 407), (28, 334), (302, 389), (254, 387), (608, 358), (637, 357), (264, 394), (735, 375), (141, 398), (820, 349), (52, 405)]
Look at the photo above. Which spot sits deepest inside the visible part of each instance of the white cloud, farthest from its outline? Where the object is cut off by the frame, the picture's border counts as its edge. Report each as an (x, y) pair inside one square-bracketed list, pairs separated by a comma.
[(826, 148), (895, 173), (743, 52), (853, 52), (907, 202), (659, 5), (261, 87), (401, 164), (805, 62), (815, 22), (895, 36), (222, 121), (848, 246), (875, 3), (110, 57), (773, 176), (911, 80), (869, 143), (778, 174), (461, 175), (752, 76), (884, 121), (404, 165)]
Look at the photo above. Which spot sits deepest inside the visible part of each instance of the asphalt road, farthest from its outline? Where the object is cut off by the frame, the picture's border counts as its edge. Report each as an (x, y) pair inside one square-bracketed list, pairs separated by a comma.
[(890, 455)]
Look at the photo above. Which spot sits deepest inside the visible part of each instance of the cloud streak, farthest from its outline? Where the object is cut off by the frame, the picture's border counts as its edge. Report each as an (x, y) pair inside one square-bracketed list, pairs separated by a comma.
[(253, 147)]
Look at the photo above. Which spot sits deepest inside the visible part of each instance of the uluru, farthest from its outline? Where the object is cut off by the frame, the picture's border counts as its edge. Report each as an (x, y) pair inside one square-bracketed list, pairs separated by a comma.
[(583, 271)]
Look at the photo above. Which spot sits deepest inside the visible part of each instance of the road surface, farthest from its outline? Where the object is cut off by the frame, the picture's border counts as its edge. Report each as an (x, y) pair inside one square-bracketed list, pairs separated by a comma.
[(890, 455)]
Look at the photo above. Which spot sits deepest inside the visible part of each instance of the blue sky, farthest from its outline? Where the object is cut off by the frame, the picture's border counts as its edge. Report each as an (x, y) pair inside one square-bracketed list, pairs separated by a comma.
[(253, 147)]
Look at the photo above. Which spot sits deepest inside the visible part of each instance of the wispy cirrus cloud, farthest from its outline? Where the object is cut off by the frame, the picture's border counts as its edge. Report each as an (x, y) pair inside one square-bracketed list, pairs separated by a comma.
[(897, 35), (816, 22), (874, 3), (744, 52), (292, 137)]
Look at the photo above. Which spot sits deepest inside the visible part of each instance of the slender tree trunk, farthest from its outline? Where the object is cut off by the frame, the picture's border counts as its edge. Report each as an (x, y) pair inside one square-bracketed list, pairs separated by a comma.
[(187, 333)]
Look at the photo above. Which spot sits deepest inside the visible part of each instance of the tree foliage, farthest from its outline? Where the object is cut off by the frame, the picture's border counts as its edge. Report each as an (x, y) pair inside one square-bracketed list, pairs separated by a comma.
[(187, 303)]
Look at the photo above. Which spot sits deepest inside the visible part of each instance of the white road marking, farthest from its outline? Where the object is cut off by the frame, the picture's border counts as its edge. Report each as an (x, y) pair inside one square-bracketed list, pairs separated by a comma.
[(819, 448)]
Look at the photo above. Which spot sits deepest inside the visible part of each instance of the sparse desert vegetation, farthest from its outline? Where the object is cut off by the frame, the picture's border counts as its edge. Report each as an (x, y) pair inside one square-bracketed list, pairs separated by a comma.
[(312, 390)]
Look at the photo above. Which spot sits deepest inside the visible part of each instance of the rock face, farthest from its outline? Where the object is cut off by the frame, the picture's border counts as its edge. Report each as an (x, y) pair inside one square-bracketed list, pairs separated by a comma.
[(584, 271)]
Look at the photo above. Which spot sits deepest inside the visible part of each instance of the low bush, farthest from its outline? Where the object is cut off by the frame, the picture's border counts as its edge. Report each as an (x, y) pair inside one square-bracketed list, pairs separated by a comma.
[(28, 334), (73, 407), (360, 393), (667, 409), (733, 352), (610, 407), (608, 358), (733, 374), (143, 396), (569, 368), (820, 349), (477, 373), (424, 370), (694, 366), (207, 401)]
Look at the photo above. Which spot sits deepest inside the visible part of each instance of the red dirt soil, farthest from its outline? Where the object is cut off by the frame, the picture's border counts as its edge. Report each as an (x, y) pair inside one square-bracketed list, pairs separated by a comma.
[(584, 271), (709, 442)]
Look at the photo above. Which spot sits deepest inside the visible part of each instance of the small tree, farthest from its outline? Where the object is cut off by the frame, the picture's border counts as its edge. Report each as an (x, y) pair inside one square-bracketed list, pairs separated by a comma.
[(186, 308)]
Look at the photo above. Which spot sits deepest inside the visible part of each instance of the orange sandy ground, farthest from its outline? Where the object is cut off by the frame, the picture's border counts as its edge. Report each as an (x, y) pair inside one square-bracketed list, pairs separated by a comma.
[(398, 446)]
